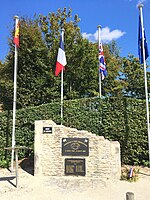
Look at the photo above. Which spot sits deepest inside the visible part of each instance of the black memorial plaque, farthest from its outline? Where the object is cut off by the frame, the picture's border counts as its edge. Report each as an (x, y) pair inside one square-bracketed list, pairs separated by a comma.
[(75, 147), (75, 167), (47, 129)]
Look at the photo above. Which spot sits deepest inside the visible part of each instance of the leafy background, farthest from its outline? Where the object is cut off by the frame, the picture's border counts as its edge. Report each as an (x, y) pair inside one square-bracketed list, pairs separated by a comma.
[(116, 119)]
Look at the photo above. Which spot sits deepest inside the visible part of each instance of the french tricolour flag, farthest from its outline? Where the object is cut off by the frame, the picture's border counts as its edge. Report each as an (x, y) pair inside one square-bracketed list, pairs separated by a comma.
[(61, 57)]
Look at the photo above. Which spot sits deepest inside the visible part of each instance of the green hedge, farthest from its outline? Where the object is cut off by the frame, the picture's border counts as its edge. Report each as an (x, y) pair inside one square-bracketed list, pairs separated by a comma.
[(122, 119)]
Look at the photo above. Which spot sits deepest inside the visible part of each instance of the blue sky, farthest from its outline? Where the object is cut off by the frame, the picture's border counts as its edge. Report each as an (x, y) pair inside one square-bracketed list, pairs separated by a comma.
[(118, 18)]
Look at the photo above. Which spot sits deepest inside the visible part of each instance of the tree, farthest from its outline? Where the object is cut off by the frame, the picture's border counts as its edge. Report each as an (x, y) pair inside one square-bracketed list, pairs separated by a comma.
[(37, 54), (133, 75), (32, 68), (112, 84), (81, 71)]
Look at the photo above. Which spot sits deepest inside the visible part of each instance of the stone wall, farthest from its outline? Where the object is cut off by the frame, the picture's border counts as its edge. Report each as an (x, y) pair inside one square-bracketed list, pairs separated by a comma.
[(103, 160)]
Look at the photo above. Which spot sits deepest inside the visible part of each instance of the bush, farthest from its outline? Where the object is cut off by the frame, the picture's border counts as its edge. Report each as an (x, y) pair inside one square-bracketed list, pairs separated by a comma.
[(122, 120)]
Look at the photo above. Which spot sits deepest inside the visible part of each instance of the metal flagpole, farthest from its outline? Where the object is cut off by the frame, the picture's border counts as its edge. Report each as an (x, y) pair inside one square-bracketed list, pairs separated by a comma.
[(140, 6), (99, 41), (14, 99), (62, 89)]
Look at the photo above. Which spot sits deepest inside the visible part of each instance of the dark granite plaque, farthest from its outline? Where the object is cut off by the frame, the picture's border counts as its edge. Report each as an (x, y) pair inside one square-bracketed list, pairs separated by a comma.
[(75, 146), (75, 167), (47, 129)]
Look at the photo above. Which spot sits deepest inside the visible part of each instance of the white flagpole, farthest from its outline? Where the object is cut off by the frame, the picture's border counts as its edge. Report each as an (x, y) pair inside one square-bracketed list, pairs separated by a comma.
[(99, 41), (14, 99), (62, 77), (140, 6), (62, 90)]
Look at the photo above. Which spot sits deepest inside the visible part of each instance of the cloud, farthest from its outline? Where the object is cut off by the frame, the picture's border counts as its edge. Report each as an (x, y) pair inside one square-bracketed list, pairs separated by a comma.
[(106, 35), (140, 2)]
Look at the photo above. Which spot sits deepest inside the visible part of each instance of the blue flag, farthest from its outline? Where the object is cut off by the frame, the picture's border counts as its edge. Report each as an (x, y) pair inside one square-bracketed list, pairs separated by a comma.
[(140, 47)]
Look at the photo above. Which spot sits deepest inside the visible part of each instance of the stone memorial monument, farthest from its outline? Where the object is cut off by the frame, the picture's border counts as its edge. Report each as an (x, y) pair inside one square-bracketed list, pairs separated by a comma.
[(75, 155)]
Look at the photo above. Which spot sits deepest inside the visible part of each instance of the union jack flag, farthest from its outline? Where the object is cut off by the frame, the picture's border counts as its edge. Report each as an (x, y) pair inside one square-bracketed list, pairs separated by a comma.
[(102, 63)]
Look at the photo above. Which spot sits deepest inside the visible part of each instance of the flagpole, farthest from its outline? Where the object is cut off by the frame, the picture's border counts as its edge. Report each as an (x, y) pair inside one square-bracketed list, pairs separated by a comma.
[(62, 90), (62, 78), (14, 99), (140, 6), (99, 41)]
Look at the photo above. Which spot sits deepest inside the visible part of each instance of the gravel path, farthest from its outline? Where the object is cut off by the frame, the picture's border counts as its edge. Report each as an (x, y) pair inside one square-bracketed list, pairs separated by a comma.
[(44, 188)]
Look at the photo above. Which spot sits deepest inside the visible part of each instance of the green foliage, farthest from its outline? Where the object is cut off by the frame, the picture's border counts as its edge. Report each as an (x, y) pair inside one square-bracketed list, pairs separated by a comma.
[(133, 75), (113, 84), (39, 43), (146, 163), (4, 163), (81, 71), (119, 119), (37, 54), (32, 70)]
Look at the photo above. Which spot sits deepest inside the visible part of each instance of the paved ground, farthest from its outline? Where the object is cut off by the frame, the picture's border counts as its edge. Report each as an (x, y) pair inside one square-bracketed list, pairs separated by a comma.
[(44, 188)]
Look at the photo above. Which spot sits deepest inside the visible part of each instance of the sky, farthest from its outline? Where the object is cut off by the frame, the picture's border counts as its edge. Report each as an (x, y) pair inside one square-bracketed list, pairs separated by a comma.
[(118, 19)]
